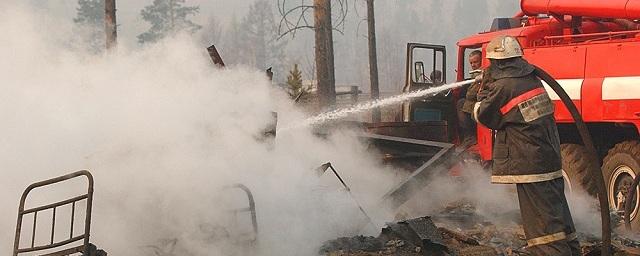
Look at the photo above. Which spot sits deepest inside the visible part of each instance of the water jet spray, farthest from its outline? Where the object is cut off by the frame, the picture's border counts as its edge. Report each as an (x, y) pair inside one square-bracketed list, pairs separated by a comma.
[(358, 108)]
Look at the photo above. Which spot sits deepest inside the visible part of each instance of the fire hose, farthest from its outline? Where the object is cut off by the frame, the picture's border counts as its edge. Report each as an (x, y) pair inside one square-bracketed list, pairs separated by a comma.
[(592, 155), (628, 203)]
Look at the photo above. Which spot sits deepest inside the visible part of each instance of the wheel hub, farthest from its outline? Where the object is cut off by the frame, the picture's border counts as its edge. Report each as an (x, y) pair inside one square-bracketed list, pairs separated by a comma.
[(619, 185)]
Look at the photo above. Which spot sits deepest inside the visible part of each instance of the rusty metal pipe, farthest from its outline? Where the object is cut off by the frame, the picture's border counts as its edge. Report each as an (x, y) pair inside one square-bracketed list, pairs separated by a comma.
[(215, 56), (592, 154)]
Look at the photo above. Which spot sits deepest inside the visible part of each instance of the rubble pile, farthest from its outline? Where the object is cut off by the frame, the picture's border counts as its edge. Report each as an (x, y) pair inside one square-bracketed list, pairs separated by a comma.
[(620, 245), (632, 245), (458, 230), (362, 244), (411, 237), (461, 217), (504, 240)]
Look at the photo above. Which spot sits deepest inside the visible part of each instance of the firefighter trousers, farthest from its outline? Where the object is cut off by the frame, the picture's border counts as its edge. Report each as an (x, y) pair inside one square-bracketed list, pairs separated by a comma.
[(546, 219)]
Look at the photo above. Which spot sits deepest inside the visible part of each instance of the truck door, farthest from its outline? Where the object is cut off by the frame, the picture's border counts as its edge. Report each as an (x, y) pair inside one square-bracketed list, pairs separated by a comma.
[(425, 68)]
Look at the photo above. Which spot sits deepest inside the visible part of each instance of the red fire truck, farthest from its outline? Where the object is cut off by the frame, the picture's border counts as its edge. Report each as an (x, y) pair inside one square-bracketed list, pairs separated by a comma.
[(590, 47)]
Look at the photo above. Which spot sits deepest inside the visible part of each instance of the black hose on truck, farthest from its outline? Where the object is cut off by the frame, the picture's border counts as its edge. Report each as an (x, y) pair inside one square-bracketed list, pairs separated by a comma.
[(628, 202), (591, 154)]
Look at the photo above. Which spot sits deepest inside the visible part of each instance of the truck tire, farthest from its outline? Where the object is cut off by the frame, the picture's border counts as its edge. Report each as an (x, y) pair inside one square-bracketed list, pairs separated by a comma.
[(578, 171), (620, 167)]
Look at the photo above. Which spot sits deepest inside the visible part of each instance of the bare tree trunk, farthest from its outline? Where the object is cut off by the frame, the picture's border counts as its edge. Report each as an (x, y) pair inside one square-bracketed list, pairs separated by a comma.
[(373, 60), (324, 53), (110, 24), (172, 17)]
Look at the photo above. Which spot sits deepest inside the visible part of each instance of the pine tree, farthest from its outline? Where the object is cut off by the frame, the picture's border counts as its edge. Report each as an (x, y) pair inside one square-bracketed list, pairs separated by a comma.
[(89, 22), (294, 83), (259, 39), (90, 12), (167, 17)]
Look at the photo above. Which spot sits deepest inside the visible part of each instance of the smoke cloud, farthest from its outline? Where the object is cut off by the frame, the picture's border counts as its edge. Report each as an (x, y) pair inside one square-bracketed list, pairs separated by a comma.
[(164, 133), (496, 203)]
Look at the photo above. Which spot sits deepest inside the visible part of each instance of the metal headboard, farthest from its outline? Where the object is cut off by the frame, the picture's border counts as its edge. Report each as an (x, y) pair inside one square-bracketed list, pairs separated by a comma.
[(17, 249)]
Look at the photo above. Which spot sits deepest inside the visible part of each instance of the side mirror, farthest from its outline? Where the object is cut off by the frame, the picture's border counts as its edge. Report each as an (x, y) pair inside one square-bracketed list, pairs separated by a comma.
[(419, 72)]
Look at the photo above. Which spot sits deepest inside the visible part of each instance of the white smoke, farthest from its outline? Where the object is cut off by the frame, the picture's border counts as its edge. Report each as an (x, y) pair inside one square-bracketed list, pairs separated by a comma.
[(585, 212), (496, 203), (473, 186), (163, 133)]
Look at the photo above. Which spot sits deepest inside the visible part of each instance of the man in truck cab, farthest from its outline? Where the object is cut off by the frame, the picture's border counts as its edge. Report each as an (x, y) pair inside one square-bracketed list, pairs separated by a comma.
[(475, 59), (468, 99), (527, 148)]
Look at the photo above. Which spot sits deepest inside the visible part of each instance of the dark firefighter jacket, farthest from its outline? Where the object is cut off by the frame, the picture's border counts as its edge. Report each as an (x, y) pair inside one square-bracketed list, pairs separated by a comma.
[(526, 147)]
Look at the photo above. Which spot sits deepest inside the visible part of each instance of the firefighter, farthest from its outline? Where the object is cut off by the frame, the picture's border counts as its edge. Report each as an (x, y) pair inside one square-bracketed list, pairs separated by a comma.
[(527, 147)]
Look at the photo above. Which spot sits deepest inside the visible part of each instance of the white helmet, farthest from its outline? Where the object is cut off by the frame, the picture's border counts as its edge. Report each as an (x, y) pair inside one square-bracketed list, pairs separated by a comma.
[(504, 47)]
